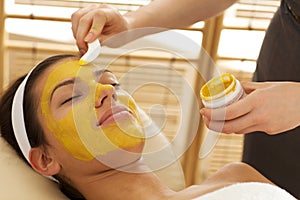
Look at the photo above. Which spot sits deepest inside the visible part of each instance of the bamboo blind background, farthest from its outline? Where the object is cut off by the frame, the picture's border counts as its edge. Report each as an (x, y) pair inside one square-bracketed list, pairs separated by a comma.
[(21, 53)]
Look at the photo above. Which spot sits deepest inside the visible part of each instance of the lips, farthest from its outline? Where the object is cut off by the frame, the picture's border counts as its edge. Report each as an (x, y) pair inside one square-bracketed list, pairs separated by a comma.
[(116, 113)]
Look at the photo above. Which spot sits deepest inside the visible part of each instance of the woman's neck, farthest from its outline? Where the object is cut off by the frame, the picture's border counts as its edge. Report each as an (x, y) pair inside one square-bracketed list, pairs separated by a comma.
[(120, 184)]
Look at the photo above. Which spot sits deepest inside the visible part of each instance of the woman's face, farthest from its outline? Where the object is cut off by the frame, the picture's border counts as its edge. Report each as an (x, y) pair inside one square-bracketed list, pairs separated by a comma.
[(88, 112)]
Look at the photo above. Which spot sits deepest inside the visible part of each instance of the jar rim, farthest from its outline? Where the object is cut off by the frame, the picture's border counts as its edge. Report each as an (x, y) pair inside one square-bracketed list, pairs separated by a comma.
[(218, 87)]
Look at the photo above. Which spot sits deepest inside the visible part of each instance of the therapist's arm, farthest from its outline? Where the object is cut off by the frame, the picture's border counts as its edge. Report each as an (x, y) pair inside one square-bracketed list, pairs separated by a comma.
[(271, 107), (176, 14), (103, 21)]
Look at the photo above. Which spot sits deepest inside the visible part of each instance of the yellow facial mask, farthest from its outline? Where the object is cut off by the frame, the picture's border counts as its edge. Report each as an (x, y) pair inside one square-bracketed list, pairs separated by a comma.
[(77, 130)]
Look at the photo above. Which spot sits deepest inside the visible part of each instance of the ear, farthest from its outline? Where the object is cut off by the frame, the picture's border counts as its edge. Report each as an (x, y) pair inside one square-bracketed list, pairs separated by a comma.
[(43, 163)]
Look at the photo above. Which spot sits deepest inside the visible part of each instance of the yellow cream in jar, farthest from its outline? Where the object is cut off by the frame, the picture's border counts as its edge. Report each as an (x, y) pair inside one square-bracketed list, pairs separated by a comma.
[(221, 91)]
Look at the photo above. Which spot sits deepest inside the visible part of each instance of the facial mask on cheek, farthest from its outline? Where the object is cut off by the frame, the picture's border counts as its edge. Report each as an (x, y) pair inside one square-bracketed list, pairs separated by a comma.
[(101, 140), (64, 129), (66, 132), (77, 130)]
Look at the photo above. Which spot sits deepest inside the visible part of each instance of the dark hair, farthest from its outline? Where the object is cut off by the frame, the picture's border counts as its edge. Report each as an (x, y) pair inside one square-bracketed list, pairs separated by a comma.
[(34, 130)]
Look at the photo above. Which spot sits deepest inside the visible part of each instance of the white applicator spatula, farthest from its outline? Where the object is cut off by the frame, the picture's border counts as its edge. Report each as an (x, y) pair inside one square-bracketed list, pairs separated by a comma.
[(93, 52)]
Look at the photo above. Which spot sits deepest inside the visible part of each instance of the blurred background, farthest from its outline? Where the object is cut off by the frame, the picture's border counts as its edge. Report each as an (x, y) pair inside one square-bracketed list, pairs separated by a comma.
[(32, 30)]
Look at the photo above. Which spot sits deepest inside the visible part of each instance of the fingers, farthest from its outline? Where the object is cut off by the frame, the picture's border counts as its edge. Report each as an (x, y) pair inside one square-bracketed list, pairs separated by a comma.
[(96, 22), (239, 108), (77, 32), (259, 127), (99, 19), (261, 110), (76, 16), (230, 112), (248, 130), (233, 118), (242, 125), (251, 86), (87, 25)]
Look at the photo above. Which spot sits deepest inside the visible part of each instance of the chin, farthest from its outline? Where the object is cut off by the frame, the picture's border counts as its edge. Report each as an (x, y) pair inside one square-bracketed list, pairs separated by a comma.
[(122, 157)]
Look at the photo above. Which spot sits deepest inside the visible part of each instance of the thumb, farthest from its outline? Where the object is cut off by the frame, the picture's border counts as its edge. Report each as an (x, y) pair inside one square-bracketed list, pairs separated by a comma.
[(251, 86)]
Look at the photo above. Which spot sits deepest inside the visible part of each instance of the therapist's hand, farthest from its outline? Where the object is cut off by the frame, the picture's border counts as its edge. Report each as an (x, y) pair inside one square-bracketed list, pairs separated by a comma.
[(271, 107), (96, 22)]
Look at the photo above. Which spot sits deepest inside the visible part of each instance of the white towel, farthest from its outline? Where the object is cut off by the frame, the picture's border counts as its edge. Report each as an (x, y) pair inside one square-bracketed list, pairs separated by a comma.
[(248, 191)]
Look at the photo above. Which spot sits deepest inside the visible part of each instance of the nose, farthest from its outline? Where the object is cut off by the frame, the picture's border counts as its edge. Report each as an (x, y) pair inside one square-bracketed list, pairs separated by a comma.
[(104, 93)]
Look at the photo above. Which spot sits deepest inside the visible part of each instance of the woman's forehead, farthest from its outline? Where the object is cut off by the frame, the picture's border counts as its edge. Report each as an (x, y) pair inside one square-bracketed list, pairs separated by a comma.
[(72, 69)]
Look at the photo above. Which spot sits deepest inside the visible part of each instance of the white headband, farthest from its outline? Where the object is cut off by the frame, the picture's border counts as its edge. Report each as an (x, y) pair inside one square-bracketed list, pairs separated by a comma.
[(17, 118), (18, 122)]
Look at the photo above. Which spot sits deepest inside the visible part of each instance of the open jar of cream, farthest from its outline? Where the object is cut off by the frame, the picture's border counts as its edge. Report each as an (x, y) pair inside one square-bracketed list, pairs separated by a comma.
[(221, 91)]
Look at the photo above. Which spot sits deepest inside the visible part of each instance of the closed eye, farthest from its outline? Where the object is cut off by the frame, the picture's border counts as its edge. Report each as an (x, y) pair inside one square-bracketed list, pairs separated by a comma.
[(70, 99), (115, 84)]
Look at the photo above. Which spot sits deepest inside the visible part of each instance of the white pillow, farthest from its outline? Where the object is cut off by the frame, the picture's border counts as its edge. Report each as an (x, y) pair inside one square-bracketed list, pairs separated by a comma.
[(19, 181), (248, 191)]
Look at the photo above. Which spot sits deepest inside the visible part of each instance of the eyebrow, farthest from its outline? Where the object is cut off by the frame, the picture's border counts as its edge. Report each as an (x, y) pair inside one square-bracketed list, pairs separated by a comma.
[(64, 83), (72, 81)]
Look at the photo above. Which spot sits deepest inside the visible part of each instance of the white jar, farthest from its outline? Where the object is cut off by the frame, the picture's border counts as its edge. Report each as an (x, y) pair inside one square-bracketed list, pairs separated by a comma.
[(221, 91)]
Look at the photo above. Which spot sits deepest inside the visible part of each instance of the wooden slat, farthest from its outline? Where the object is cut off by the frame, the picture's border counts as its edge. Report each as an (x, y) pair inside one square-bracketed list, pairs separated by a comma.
[(228, 149), (270, 3), (2, 43), (121, 5), (256, 15), (38, 17), (257, 9)]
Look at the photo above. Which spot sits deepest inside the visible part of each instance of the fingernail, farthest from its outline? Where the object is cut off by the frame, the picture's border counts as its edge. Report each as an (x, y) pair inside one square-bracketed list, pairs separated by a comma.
[(88, 37), (82, 51), (202, 112)]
